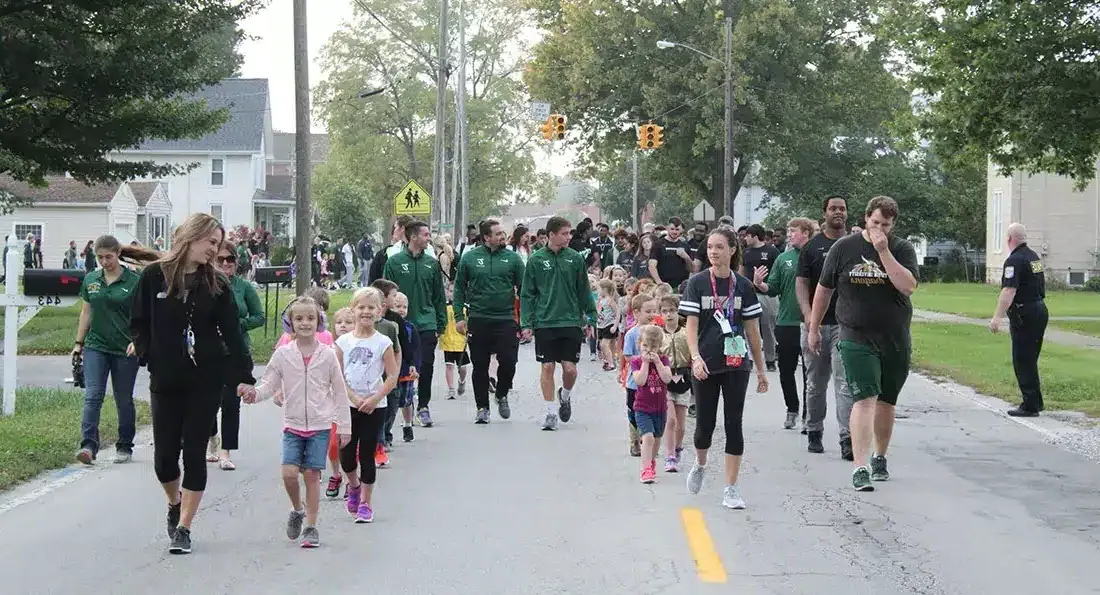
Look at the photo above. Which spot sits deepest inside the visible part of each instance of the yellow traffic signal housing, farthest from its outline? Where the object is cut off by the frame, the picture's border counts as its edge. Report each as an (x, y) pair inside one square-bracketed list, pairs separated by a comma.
[(658, 136), (646, 137), (547, 129), (558, 126)]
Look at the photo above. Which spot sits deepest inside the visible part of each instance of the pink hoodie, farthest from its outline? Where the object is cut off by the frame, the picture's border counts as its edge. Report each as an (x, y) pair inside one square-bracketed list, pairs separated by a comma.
[(314, 395)]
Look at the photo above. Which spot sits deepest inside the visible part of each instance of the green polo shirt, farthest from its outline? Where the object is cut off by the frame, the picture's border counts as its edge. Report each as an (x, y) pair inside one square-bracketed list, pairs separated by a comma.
[(109, 328)]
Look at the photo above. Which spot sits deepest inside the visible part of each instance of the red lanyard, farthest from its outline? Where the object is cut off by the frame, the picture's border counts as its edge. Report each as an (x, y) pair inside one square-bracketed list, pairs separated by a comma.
[(721, 304)]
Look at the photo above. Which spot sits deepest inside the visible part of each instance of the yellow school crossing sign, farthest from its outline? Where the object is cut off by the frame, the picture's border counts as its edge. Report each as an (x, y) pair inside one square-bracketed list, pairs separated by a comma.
[(412, 200)]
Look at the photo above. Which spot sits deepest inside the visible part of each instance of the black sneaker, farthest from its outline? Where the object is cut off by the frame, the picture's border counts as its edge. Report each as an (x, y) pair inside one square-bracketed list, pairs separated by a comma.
[(174, 517), (181, 542), (770, 366), (407, 433), (565, 408), (878, 468), (691, 410), (846, 449), (814, 443), (1021, 412)]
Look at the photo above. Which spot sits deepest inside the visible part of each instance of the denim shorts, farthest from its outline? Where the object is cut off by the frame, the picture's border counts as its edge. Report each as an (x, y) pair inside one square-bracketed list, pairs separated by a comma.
[(650, 423), (306, 453), (406, 390)]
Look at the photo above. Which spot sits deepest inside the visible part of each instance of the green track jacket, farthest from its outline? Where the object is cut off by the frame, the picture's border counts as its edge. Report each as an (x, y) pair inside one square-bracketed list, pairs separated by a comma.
[(486, 283), (781, 283), (555, 291), (420, 278)]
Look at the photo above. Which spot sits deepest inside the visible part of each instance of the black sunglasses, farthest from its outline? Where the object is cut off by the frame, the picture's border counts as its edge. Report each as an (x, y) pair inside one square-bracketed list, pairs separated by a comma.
[(225, 259)]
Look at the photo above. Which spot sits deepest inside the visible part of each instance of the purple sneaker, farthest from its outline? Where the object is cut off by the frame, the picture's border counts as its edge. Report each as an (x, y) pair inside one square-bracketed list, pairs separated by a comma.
[(365, 514), (353, 500), (424, 417)]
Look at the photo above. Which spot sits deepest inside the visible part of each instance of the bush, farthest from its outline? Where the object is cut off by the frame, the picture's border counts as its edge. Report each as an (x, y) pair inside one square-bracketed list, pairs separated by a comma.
[(281, 255), (1057, 284), (951, 273), (1093, 284)]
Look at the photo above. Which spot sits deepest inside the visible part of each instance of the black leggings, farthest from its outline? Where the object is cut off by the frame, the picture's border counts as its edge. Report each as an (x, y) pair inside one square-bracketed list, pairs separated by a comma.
[(364, 441), (428, 341), (732, 386), (789, 339), (181, 422), (231, 419)]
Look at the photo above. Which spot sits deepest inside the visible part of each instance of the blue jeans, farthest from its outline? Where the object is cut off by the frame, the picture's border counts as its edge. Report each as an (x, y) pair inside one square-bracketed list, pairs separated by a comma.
[(306, 453), (123, 371)]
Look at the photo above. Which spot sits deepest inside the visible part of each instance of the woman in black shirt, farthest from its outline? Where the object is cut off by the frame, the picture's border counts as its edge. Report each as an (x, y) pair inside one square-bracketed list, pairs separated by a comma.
[(183, 320), (722, 327)]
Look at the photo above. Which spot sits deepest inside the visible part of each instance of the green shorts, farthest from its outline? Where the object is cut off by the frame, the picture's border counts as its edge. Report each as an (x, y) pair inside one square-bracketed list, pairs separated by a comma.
[(872, 372)]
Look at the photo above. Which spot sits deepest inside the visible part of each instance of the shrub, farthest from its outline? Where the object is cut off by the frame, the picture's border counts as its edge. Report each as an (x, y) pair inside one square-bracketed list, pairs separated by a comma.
[(1093, 284)]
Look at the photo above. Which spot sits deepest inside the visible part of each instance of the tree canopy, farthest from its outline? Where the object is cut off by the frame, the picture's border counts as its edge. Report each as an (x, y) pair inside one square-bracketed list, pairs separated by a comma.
[(80, 79)]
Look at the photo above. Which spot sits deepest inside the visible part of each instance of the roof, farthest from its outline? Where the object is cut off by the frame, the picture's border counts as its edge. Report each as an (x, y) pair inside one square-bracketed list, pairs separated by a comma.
[(265, 195), (61, 190), (284, 147), (143, 191), (247, 100), (281, 186)]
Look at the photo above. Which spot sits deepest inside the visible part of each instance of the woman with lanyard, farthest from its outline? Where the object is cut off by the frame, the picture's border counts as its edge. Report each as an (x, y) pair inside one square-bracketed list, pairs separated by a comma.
[(722, 327), (250, 313), (102, 339), (183, 320)]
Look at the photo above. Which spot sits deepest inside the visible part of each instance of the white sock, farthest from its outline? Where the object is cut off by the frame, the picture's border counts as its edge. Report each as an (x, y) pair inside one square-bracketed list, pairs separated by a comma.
[(551, 407), (566, 393)]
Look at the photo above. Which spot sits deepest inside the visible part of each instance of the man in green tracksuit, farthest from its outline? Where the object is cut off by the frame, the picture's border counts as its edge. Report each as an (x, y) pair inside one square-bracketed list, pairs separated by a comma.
[(788, 323), (486, 283), (419, 277), (555, 301)]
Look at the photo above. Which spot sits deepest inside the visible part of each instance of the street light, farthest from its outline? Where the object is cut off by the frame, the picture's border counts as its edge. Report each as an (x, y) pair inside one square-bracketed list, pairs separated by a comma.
[(727, 186)]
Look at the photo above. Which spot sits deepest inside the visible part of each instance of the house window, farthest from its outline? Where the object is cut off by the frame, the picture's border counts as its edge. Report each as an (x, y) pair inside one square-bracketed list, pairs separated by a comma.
[(216, 212), (22, 229), (998, 219), (217, 172), (1076, 278), (158, 228)]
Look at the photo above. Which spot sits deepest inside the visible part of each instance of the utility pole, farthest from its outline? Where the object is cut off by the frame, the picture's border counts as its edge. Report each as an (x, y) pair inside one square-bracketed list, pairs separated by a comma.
[(464, 140), (452, 210), (634, 210), (727, 188), (438, 171), (303, 218)]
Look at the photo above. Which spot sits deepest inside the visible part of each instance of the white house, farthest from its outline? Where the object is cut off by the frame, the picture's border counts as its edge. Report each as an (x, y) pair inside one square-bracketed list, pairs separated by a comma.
[(68, 210), (229, 166)]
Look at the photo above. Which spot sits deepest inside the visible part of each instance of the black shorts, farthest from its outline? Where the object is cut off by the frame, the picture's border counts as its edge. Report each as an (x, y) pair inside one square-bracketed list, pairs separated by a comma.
[(458, 358), (557, 345), (607, 333)]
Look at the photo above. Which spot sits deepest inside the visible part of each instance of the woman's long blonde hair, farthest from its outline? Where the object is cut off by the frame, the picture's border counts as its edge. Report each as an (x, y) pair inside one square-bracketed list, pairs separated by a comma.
[(174, 265)]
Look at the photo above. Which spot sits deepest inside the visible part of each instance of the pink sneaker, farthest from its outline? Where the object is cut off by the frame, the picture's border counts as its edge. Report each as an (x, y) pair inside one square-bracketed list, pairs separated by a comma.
[(671, 464), (649, 474), (353, 500), (365, 514)]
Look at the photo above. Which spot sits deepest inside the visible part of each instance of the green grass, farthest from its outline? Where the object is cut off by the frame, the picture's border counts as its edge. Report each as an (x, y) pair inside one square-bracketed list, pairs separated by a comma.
[(262, 347), (977, 300), (44, 433), (972, 356), (1084, 327)]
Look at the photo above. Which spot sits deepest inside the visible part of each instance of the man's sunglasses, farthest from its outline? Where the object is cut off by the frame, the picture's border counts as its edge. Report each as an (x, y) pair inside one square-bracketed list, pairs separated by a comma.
[(225, 259)]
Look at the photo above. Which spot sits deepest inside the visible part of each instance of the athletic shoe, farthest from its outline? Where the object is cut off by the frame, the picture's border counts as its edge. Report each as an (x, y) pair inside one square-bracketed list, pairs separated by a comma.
[(846, 449), (732, 499), (381, 459), (482, 416), (550, 423), (174, 517), (123, 456), (461, 387), (310, 538), (671, 464), (388, 446), (878, 468), (695, 478), (407, 433), (565, 408), (635, 448), (503, 409), (294, 524), (450, 394), (691, 410), (364, 514), (333, 489), (813, 443), (353, 500), (181, 541), (649, 473), (861, 480), (424, 417), (679, 454), (85, 456), (770, 366), (788, 424)]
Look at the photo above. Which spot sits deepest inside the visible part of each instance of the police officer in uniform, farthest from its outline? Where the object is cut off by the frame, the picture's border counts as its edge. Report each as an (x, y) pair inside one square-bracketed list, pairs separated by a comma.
[(1023, 290)]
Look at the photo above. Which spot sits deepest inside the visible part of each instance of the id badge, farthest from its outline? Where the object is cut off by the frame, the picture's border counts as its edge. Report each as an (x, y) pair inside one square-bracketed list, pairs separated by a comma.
[(723, 323), (734, 350)]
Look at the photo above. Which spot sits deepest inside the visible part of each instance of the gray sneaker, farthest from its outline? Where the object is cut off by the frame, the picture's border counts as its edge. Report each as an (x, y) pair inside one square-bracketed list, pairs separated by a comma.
[(310, 538), (878, 468), (789, 423), (482, 416), (565, 407), (695, 478), (181, 541), (861, 480), (122, 456), (294, 524), (550, 423), (503, 409), (732, 499), (461, 388)]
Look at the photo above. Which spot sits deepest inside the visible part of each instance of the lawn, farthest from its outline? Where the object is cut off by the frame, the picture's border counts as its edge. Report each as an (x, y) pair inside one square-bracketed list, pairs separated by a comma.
[(977, 300), (44, 433), (972, 356)]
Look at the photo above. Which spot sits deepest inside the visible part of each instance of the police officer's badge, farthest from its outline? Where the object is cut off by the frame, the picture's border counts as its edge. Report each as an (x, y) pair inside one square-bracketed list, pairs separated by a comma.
[(1010, 272)]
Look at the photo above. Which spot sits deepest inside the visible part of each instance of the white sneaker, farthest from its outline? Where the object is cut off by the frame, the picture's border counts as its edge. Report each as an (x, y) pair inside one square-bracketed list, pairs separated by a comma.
[(695, 478), (732, 498)]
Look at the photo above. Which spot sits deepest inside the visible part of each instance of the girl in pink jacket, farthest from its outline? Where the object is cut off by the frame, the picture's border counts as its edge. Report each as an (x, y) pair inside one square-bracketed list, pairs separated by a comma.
[(305, 379)]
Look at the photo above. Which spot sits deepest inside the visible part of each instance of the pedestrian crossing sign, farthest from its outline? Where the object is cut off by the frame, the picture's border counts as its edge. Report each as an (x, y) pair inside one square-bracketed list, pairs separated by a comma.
[(412, 200)]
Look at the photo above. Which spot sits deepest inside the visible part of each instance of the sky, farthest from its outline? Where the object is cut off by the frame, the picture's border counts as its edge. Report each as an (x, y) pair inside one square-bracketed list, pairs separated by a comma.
[(271, 56)]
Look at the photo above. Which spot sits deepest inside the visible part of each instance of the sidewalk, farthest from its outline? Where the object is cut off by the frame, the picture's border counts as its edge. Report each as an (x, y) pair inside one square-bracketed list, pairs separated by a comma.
[(1052, 335)]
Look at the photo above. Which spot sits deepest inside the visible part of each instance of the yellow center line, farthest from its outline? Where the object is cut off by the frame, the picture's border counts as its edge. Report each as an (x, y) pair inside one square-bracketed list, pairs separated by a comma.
[(707, 563)]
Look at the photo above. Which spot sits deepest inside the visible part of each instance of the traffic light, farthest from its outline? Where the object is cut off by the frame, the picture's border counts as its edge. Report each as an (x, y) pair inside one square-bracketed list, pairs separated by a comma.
[(650, 136), (557, 122), (547, 129), (658, 136)]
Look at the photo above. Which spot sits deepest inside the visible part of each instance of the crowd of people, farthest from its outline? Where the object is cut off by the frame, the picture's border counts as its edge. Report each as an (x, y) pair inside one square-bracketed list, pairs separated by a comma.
[(684, 320)]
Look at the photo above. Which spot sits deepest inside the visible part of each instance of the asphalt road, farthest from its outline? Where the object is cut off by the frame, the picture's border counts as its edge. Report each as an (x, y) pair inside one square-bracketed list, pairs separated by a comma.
[(977, 504)]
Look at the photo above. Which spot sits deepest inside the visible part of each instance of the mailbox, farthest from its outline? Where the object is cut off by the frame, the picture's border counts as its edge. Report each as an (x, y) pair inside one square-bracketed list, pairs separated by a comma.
[(272, 275), (52, 282)]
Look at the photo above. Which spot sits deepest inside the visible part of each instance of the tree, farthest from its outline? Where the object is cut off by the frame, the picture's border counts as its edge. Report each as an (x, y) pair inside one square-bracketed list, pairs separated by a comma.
[(81, 79), (599, 64), (341, 205), (1014, 81), (384, 141)]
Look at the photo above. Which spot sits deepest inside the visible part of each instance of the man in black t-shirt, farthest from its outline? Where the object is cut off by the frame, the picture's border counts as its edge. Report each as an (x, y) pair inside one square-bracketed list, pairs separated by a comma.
[(670, 261), (873, 274), (820, 366), (603, 246), (759, 253)]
